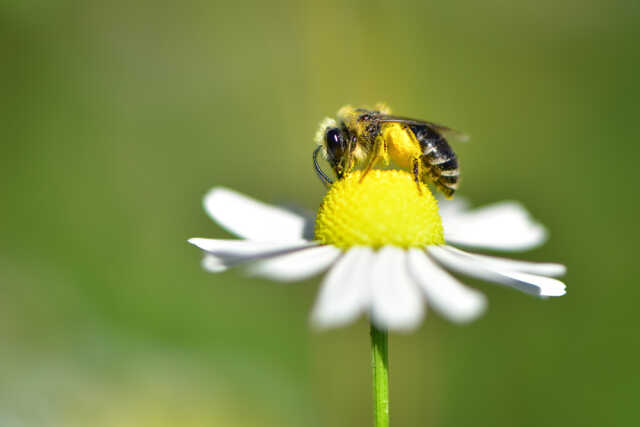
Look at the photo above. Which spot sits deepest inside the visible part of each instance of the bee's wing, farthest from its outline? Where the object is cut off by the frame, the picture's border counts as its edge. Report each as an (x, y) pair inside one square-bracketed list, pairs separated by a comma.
[(447, 131)]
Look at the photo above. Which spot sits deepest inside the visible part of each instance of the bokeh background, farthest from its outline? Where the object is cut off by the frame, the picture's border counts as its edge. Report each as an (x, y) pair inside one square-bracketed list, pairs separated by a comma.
[(116, 117)]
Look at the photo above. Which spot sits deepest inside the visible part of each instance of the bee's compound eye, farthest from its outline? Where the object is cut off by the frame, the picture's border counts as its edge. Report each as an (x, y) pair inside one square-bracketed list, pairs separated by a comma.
[(335, 142)]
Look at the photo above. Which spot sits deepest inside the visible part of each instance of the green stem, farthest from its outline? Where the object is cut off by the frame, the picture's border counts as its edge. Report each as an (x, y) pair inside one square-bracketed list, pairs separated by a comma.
[(380, 365)]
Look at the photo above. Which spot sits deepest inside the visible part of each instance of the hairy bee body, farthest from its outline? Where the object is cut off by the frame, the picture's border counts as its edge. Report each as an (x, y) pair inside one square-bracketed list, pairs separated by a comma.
[(372, 136)]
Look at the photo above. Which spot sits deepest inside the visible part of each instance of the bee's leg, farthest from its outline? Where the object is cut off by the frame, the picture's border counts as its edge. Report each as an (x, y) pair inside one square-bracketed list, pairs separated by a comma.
[(372, 161), (374, 156), (416, 166)]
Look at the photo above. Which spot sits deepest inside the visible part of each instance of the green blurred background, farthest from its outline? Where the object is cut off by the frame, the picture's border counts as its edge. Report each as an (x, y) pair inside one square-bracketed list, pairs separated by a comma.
[(116, 117)]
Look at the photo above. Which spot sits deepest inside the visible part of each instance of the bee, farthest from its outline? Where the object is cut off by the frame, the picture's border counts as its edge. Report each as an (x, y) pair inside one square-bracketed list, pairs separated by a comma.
[(363, 136)]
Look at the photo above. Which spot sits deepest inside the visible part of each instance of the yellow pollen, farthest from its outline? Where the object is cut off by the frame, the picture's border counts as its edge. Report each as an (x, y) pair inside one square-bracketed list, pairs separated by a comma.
[(386, 208)]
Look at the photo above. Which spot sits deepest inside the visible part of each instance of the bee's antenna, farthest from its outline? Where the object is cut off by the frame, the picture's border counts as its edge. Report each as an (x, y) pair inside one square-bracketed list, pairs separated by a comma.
[(323, 177)]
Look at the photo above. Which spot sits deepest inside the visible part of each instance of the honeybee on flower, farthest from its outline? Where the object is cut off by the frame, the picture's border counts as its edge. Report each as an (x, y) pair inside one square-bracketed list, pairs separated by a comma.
[(361, 135)]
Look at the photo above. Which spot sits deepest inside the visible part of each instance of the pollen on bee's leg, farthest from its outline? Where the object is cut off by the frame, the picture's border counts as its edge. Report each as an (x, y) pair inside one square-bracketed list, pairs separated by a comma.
[(384, 209), (448, 190)]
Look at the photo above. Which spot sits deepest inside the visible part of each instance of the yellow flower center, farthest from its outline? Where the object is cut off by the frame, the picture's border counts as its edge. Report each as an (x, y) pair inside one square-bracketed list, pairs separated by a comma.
[(386, 208)]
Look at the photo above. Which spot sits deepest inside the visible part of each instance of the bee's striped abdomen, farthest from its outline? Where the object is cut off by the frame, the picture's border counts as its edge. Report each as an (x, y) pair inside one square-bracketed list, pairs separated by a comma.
[(439, 160)]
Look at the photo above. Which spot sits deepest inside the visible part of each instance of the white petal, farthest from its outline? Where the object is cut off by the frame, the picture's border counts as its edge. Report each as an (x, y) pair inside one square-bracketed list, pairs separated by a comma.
[(529, 283), (213, 264), (397, 302), (445, 294), (345, 292), (251, 219), (231, 252), (541, 268), (503, 226), (298, 265), (450, 208), (547, 287)]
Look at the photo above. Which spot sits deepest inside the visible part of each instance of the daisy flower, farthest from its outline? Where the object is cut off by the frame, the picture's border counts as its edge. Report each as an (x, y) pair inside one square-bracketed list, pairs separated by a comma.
[(386, 248)]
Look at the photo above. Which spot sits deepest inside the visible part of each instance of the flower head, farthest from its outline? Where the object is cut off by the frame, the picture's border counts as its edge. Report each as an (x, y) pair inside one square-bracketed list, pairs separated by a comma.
[(383, 209), (387, 246)]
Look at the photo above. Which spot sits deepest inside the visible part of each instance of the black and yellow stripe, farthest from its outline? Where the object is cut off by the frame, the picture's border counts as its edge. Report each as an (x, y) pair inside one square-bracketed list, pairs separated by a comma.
[(439, 161)]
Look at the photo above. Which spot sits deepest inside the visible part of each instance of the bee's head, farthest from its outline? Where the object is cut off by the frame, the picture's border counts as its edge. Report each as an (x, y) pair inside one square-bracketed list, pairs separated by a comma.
[(337, 148)]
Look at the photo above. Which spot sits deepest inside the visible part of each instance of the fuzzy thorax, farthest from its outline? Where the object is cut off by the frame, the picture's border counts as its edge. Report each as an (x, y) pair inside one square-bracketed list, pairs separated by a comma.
[(386, 208)]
